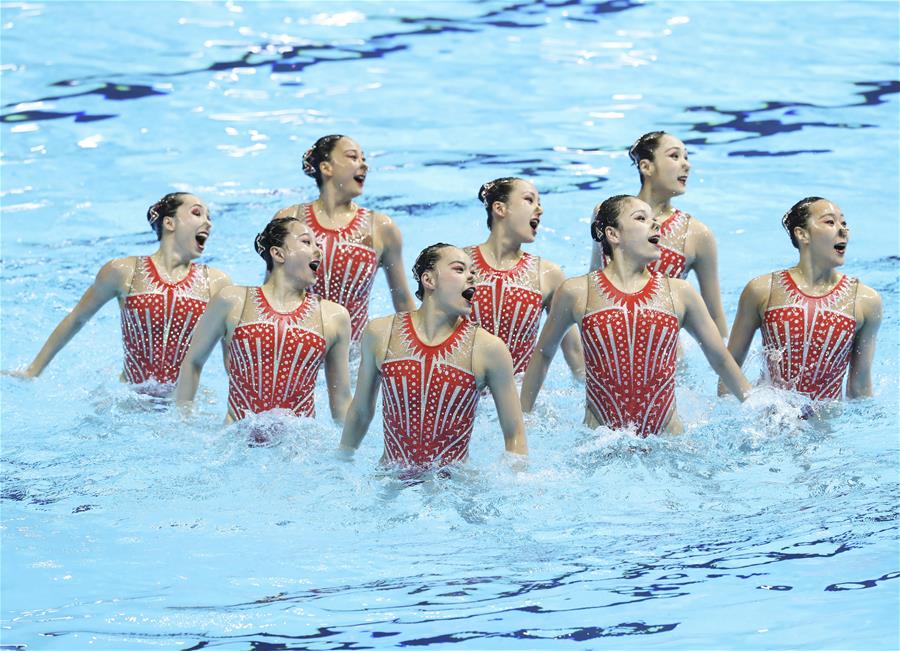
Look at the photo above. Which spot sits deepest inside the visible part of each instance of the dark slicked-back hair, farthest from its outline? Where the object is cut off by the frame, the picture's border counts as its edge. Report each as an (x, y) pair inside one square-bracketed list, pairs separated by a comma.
[(163, 208), (607, 214), (425, 262), (318, 153), (273, 235), (798, 216), (644, 148), (496, 190)]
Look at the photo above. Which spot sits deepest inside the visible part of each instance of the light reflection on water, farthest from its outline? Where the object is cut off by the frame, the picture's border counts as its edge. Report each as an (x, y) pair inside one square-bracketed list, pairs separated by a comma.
[(124, 526)]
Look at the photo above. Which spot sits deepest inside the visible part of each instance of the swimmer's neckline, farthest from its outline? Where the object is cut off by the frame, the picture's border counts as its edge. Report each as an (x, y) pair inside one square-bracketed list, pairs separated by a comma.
[(357, 216), (268, 306), (159, 277), (407, 317), (794, 287), (483, 260)]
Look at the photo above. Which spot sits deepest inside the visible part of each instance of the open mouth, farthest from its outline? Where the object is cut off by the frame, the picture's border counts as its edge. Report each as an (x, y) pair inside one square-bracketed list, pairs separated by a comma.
[(469, 294), (840, 247), (201, 239), (314, 265), (360, 178), (683, 179), (534, 223), (654, 240)]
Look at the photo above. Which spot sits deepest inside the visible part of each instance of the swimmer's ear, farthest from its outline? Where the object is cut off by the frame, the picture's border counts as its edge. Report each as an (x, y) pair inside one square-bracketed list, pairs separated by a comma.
[(801, 235), (645, 166), (326, 168), (611, 234), (277, 254), (168, 223), (499, 208), (427, 279)]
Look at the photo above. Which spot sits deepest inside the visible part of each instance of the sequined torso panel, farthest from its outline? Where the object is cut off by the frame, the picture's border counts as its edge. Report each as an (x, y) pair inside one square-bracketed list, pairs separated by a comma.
[(428, 395), (158, 319), (274, 357), (808, 339), (507, 303), (349, 263), (630, 343), (672, 238)]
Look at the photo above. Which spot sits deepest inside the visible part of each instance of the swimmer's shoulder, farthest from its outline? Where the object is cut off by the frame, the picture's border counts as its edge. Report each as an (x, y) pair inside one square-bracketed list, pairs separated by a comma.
[(868, 303), (118, 272), (218, 280), (291, 211), (376, 334), (490, 347), (335, 317)]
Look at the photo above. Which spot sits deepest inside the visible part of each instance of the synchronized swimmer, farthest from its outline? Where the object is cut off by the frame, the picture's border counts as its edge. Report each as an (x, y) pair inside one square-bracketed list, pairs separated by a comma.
[(476, 328)]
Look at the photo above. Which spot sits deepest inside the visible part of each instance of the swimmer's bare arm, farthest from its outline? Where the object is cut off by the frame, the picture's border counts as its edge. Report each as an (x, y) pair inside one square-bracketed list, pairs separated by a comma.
[(563, 314), (706, 266), (869, 308), (362, 407), (216, 323), (696, 320), (111, 282), (493, 363), (391, 241), (219, 280), (551, 278), (336, 322), (747, 321)]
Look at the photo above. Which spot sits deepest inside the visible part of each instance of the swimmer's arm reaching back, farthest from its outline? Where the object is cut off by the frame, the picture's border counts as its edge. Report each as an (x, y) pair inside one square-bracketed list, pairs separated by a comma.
[(391, 261), (551, 279), (362, 407), (336, 322), (493, 362), (698, 322), (111, 282), (211, 327), (562, 316), (747, 321)]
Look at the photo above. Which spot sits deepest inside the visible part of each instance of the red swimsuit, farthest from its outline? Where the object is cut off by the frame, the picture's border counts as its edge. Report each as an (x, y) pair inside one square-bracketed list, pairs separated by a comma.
[(349, 263), (428, 395), (158, 319), (630, 343), (672, 237), (808, 339), (508, 303), (274, 357)]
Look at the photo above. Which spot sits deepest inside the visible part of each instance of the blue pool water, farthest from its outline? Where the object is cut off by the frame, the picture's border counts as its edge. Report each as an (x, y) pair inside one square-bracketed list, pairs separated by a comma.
[(125, 528)]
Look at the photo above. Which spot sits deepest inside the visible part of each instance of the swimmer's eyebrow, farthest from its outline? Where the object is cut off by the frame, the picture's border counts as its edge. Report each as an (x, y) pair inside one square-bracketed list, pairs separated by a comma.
[(676, 148), (462, 262)]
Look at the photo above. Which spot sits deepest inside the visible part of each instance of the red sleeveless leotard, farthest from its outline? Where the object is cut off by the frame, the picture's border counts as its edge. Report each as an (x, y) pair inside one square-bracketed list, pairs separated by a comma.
[(808, 339), (507, 303), (672, 237), (274, 357), (630, 343), (428, 395), (348, 264), (158, 319)]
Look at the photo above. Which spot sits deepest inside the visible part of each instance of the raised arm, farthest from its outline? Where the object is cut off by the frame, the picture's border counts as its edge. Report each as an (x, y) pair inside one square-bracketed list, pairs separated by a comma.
[(210, 328), (495, 362), (699, 324), (337, 358), (362, 407), (859, 381), (392, 263), (561, 318), (706, 266), (111, 281)]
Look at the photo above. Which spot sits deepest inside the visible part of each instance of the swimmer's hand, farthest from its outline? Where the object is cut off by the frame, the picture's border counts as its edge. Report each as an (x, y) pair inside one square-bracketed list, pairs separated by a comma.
[(343, 453), (515, 462), (21, 373)]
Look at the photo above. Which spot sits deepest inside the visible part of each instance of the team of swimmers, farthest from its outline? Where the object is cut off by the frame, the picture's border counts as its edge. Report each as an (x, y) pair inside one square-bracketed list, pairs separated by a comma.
[(476, 328)]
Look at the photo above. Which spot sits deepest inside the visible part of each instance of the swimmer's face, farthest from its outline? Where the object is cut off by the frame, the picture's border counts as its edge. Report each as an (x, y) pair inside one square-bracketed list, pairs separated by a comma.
[(521, 214), (637, 234), (346, 167), (300, 254), (191, 226), (669, 169), (826, 233), (452, 280)]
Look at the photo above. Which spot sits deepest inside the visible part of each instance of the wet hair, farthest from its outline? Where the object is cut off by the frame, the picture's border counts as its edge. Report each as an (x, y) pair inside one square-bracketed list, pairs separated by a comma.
[(496, 190), (163, 208), (273, 235), (644, 148), (425, 262), (607, 214), (319, 153), (797, 216)]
